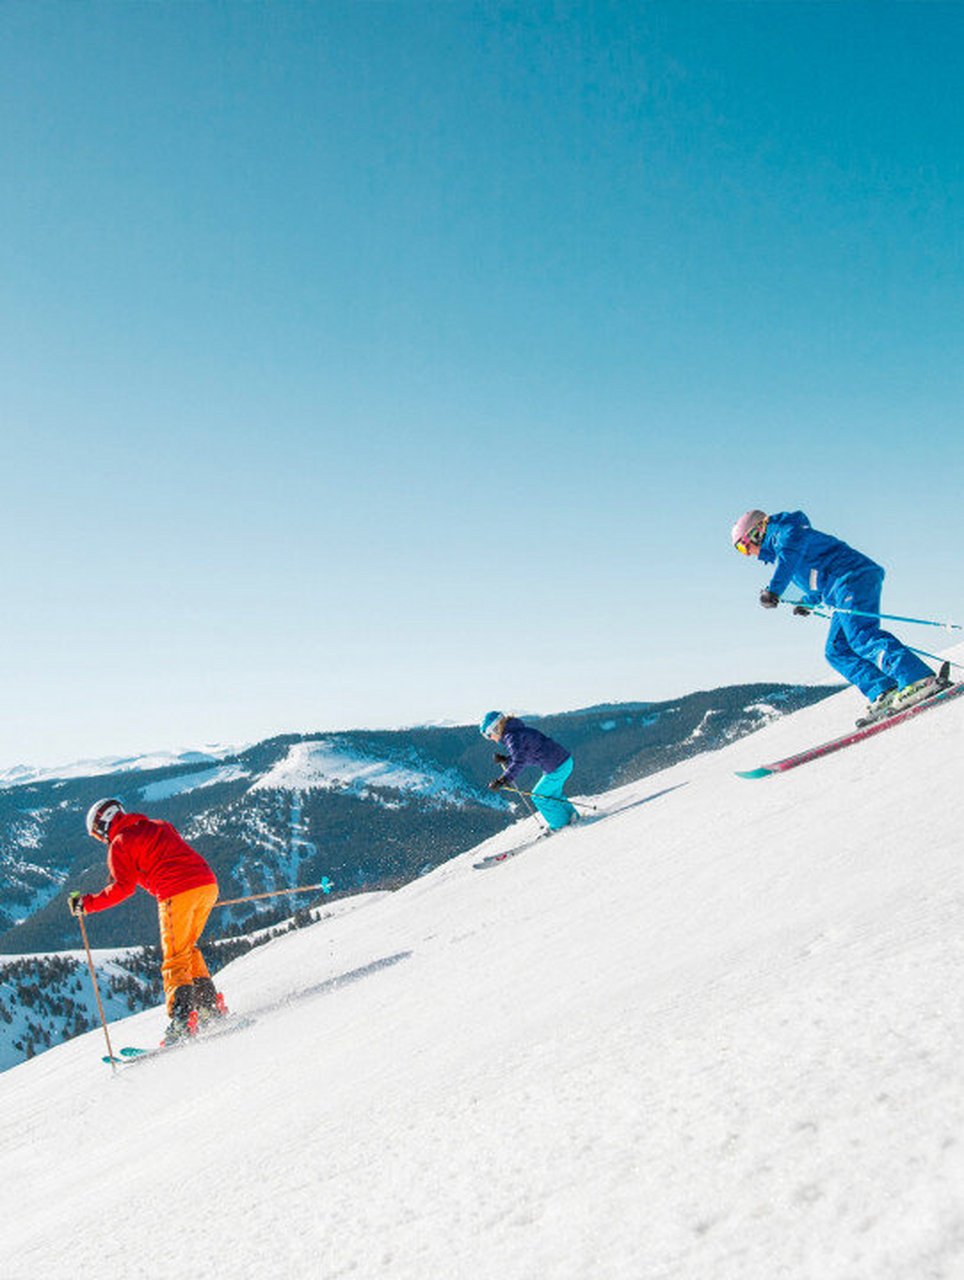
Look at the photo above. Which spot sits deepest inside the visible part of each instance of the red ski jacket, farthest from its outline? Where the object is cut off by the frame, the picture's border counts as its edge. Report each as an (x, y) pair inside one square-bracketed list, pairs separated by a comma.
[(150, 854)]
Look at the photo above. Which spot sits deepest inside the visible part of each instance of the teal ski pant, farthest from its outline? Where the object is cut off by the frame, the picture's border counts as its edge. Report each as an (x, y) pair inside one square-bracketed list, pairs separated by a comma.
[(548, 798)]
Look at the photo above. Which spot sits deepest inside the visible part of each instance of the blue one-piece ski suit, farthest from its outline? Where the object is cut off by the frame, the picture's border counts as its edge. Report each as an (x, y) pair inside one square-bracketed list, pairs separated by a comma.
[(827, 571)]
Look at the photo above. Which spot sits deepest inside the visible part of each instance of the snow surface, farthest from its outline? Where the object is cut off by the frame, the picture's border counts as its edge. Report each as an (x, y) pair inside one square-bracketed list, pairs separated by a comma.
[(716, 1036)]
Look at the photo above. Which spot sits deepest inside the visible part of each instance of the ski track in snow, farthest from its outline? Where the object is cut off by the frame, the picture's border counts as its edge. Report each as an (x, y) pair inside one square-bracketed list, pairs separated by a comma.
[(715, 1037)]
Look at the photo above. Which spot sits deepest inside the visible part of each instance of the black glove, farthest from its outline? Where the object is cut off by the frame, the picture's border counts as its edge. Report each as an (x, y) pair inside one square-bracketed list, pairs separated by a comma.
[(498, 783), (769, 600), (75, 903), (801, 611), (500, 758)]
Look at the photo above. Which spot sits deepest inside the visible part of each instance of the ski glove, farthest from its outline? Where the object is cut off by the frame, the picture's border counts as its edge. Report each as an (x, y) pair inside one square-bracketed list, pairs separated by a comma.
[(769, 599), (801, 611), (500, 758), (497, 784), (75, 903)]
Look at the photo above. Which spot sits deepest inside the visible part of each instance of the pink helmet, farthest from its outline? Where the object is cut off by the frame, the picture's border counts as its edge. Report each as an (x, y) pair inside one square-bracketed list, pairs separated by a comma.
[(749, 528)]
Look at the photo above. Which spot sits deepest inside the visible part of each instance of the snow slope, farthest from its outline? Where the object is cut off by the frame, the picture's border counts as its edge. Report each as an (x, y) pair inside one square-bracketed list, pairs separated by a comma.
[(716, 1036)]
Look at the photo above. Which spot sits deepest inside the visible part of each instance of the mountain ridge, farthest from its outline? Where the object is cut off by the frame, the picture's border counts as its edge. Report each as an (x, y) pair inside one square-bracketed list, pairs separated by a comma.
[(375, 809)]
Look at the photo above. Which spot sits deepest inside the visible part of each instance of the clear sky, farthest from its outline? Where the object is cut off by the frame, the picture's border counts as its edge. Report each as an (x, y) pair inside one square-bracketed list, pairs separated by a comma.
[(375, 363)]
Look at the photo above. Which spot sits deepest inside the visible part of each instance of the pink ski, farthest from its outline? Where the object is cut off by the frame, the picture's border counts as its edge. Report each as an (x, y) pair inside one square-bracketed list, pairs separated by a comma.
[(857, 735)]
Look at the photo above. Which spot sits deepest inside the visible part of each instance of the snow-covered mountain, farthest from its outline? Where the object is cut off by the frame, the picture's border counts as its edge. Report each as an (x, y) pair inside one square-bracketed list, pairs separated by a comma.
[(366, 809), (17, 775), (45, 999), (716, 1035)]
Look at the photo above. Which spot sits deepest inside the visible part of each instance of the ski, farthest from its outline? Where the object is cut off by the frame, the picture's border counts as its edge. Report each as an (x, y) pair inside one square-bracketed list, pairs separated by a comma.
[(856, 735), (586, 819), (493, 859), (132, 1053), (129, 1053)]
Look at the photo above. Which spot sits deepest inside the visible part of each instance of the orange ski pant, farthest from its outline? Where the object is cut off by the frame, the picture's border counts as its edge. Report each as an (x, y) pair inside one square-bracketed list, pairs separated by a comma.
[(182, 919)]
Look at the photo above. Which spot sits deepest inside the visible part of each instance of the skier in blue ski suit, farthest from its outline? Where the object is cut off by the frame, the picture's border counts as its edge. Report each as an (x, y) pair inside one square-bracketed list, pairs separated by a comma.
[(829, 572), (525, 746)]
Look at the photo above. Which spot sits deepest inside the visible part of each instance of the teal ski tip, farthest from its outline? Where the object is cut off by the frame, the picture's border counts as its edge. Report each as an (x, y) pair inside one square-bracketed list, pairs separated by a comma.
[(123, 1056), (762, 772)]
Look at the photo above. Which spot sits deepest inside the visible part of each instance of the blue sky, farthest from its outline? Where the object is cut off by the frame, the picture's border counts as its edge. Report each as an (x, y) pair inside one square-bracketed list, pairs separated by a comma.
[(380, 363)]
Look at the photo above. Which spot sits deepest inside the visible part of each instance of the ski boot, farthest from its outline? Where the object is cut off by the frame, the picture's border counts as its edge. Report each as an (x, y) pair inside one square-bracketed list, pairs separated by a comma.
[(211, 1006), (911, 694), (881, 707), (184, 1017)]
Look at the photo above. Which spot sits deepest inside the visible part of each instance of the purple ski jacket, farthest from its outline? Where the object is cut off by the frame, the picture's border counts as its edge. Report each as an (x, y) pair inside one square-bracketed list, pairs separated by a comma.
[(530, 747)]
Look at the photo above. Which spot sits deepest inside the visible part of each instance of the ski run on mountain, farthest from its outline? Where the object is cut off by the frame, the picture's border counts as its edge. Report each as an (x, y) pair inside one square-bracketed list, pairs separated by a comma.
[(716, 1035)]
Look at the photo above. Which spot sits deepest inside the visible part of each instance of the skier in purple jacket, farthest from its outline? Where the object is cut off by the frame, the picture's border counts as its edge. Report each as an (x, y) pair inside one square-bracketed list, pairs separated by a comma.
[(525, 746)]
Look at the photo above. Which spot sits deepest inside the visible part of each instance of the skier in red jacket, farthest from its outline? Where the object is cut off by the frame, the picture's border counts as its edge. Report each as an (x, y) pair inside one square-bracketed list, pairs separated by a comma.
[(142, 851)]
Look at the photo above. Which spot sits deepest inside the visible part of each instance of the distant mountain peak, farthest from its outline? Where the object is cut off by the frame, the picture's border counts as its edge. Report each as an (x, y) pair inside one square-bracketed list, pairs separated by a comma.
[(21, 774)]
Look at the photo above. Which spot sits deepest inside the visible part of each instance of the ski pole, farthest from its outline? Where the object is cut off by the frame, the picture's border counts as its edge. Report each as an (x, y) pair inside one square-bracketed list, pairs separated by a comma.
[(530, 807), (889, 617), (576, 804), (922, 653), (325, 886), (93, 978)]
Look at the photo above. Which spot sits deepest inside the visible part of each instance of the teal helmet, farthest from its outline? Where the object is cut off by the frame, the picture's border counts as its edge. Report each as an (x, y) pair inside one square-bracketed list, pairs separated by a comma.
[(488, 720)]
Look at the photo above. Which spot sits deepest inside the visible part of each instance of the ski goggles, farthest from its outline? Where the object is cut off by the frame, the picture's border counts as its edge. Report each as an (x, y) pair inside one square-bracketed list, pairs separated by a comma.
[(752, 538)]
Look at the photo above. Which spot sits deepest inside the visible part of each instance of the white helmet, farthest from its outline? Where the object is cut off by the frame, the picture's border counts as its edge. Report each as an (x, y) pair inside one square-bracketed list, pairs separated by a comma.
[(100, 815)]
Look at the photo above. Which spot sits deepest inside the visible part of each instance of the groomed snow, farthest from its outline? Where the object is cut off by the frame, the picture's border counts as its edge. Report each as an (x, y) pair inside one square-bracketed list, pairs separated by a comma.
[(714, 1037)]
